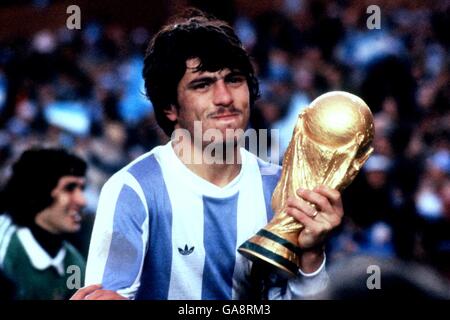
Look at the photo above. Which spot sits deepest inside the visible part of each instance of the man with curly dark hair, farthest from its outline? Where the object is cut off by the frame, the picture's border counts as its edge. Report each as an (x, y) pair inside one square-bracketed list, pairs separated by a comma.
[(41, 203), (168, 225)]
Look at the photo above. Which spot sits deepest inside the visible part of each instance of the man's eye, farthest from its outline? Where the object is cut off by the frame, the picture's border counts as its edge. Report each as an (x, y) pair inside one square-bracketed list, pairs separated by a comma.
[(70, 187), (201, 85), (236, 79)]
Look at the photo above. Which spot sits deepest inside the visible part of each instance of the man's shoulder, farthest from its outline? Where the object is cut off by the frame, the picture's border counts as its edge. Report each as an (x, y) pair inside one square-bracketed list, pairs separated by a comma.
[(7, 227), (14, 261), (266, 168), (146, 162), (12, 252)]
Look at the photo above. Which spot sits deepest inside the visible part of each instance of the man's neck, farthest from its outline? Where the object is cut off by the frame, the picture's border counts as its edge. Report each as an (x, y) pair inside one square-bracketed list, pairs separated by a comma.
[(214, 167), (50, 242), (43, 223)]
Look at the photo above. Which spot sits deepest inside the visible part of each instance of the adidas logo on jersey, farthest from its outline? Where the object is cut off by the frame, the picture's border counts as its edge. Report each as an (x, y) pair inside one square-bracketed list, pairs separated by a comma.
[(186, 251)]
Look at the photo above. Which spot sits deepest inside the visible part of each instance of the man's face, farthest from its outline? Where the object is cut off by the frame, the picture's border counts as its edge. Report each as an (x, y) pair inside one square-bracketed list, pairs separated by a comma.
[(64, 214), (219, 100)]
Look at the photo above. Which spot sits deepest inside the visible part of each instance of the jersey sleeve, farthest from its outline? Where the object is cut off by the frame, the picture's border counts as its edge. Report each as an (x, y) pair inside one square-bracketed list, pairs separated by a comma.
[(303, 286), (119, 237)]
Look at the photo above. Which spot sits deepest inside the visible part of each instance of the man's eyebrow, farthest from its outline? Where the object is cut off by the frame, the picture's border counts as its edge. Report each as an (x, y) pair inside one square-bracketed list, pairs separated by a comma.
[(212, 78), (202, 79), (69, 186)]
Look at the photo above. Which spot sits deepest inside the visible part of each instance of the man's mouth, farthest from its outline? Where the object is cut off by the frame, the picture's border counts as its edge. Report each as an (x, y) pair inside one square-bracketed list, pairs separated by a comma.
[(224, 116), (76, 216)]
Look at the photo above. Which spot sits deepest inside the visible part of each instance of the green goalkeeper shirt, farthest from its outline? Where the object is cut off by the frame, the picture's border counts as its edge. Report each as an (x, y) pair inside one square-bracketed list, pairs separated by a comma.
[(38, 276)]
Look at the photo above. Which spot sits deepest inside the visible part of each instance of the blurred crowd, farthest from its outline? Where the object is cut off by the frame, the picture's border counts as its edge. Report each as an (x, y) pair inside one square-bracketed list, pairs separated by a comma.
[(83, 90)]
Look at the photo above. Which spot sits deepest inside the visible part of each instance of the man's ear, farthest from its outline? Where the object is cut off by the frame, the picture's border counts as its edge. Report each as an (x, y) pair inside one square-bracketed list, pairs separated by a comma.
[(171, 113)]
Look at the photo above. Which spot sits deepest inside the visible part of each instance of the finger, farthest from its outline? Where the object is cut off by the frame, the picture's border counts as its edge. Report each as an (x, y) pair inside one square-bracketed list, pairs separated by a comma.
[(317, 225), (301, 205), (105, 295), (333, 196), (329, 220), (321, 202), (308, 222), (112, 296), (326, 223), (335, 199), (83, 292), (97, 295)]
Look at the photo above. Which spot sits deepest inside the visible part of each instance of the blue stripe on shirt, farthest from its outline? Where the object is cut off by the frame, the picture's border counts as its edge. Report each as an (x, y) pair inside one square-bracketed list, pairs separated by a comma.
[(155, 279), (125, 252), (220, 234)]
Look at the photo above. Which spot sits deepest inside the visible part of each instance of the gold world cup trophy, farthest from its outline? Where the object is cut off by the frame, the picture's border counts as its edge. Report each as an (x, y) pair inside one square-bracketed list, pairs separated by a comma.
[(331, 142)]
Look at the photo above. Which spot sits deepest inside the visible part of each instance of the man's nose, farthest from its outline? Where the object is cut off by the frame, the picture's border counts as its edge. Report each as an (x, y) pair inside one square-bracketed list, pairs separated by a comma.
[(222, 94), (79, 197)]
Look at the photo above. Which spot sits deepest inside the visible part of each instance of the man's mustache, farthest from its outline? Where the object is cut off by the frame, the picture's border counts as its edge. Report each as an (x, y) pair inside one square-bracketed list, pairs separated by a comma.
[(225, 111)]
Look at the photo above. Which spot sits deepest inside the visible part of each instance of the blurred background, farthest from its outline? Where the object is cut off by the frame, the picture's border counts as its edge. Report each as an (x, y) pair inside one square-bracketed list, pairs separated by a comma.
[(83, 90)]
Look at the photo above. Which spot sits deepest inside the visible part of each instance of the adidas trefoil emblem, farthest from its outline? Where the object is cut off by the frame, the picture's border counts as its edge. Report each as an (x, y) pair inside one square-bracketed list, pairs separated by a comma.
[(186, 251)]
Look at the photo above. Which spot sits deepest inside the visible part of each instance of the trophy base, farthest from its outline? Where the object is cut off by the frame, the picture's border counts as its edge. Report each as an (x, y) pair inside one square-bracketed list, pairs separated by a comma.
[(271, 249)]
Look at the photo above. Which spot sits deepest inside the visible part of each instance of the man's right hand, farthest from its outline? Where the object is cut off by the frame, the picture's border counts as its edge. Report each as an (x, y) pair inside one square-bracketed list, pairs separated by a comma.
[(95, 292)]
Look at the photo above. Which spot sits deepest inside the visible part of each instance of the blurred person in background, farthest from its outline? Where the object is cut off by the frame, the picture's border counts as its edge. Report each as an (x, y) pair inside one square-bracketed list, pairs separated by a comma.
[(365, 277), (41, 204), (432, 207)]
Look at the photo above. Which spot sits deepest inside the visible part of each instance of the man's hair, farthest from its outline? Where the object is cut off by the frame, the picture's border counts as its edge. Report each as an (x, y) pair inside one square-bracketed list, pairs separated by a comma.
[(192, 35), (34, 175)]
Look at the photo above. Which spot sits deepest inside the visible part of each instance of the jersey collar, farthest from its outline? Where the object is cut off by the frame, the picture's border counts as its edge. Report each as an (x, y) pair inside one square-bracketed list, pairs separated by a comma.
[(39, 258)]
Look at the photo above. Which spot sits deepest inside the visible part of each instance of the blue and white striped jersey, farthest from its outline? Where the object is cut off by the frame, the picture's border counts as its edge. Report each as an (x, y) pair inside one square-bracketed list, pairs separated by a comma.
[(162, 232)]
